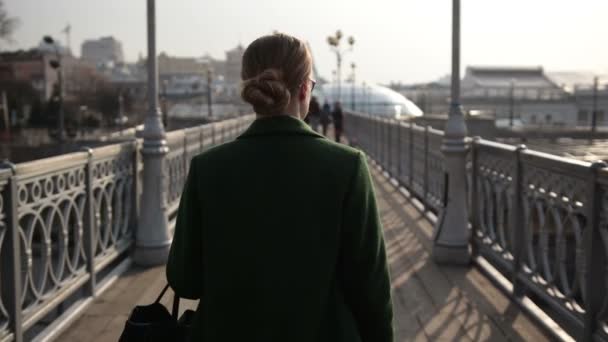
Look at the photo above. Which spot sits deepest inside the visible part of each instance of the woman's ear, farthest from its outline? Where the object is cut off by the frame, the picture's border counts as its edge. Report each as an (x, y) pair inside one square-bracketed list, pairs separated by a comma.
[(303, 91)]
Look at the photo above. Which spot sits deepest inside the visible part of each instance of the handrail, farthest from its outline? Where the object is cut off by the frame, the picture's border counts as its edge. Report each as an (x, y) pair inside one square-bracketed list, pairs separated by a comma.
[(540, 219)]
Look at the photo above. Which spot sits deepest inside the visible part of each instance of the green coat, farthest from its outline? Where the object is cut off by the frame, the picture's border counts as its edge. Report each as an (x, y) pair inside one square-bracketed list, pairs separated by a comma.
[(279, 237)]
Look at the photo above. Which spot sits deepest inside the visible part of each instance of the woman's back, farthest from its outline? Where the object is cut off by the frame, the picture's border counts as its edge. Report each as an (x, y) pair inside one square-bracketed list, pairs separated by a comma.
[(278, 235)]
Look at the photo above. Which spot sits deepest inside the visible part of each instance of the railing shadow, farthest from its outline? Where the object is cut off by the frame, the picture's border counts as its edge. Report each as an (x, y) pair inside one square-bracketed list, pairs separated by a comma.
[(440, 302)]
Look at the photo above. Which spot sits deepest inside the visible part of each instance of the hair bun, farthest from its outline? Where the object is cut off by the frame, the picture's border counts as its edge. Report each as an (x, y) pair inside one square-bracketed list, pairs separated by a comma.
[(267, 92)]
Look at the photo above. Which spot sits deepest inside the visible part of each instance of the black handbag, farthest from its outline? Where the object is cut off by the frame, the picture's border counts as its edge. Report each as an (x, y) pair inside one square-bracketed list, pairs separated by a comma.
[(151, 323)]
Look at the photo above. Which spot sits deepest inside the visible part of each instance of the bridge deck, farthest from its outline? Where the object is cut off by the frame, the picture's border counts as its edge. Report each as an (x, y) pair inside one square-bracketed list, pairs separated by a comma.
[(431, 302)]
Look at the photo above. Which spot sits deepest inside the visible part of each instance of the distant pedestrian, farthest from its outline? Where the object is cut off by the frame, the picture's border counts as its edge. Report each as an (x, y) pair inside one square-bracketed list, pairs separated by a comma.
[(338, 118), (314, 114), (325, 117)]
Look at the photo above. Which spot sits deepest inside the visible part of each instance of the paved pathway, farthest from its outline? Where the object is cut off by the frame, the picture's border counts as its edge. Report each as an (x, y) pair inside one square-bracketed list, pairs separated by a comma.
[(431, 303)]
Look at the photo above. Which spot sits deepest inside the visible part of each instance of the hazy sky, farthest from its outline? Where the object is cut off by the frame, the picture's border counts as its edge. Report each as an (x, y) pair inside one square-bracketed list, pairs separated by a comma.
[(406, 40)]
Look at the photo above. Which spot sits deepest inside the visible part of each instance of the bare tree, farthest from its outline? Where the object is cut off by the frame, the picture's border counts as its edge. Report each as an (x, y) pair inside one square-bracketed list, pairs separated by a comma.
[(8, 24)]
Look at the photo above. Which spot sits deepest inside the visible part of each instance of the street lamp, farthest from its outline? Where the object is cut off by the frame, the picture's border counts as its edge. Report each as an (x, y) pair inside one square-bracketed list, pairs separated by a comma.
[(366, 95), (209, 99), (122, 119), (334, 43), (511, 102), (83, 113), (56, 64), (153, 239), (164, 104), (594, 108), (451, 242), (352, 93)]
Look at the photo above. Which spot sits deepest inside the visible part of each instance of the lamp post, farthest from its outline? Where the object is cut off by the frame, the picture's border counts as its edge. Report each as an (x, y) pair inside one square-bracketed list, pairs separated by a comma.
[(511, 102), (451, 242), (153, 240), (164, 104), (57, 65), (122, 118), (334, 43), (352, 89), (83, 113), (209, 97), (365, 98), (594, 108)]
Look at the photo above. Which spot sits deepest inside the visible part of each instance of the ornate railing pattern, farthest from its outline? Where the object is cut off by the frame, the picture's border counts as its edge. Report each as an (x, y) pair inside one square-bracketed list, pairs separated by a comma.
[(51, 204), (4, 317), (113, 181), (541, 220), (66, 220), (603, 232), (536, 218)]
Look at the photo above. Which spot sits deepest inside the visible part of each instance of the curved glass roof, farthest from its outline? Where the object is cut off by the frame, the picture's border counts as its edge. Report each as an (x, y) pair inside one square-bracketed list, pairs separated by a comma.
[(369, 98)]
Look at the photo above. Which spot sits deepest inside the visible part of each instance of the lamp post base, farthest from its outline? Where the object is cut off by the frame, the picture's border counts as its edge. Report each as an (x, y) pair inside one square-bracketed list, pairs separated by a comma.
[(451, 255), (151, 255)]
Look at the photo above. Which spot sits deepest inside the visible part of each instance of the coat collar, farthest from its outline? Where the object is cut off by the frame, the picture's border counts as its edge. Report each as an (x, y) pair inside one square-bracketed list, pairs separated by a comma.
[(278, 125)]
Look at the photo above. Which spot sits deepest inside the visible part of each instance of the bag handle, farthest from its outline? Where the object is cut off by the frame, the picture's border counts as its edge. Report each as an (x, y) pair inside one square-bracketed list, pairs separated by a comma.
[(175, 308), (162, 293)]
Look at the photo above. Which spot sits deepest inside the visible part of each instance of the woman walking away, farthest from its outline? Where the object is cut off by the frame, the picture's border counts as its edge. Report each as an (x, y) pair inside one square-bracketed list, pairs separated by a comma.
[(273, 253)]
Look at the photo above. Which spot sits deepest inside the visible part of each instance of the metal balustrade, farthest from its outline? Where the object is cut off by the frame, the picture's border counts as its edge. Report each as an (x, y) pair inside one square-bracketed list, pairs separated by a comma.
[(66, 220), (410, 153), (539, 219)]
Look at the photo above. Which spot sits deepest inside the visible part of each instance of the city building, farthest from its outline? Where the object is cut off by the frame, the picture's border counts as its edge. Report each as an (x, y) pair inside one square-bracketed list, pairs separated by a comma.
[(232, 74), (33, 67), (102, 51), (130, 78), (585, 97), (529, 95), (581, 85)]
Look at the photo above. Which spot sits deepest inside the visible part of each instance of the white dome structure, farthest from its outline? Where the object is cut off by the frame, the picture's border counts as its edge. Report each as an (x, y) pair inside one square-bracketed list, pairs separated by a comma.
[(369, 98)]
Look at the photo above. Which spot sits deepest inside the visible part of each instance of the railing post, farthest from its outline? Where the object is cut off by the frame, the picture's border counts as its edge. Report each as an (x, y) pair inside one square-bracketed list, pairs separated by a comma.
[(377, 139), (186, 158), (136, 186), (212, 134), (389, 137), (11, 258), (411, 157), (385, 144), (201, 140), (593, 271), (474, 218), (426, 169), (372, 136), (518, 223), (380, 142), (399, 127), (387, 140), (380, 137), (90, 224)]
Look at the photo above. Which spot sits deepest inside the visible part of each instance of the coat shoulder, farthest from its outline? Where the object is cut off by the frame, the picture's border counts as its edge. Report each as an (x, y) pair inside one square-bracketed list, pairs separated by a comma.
[(340, 149)]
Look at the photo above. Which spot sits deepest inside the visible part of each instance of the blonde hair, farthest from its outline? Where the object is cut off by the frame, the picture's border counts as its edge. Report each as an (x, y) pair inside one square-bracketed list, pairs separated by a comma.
[(274, 67)]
